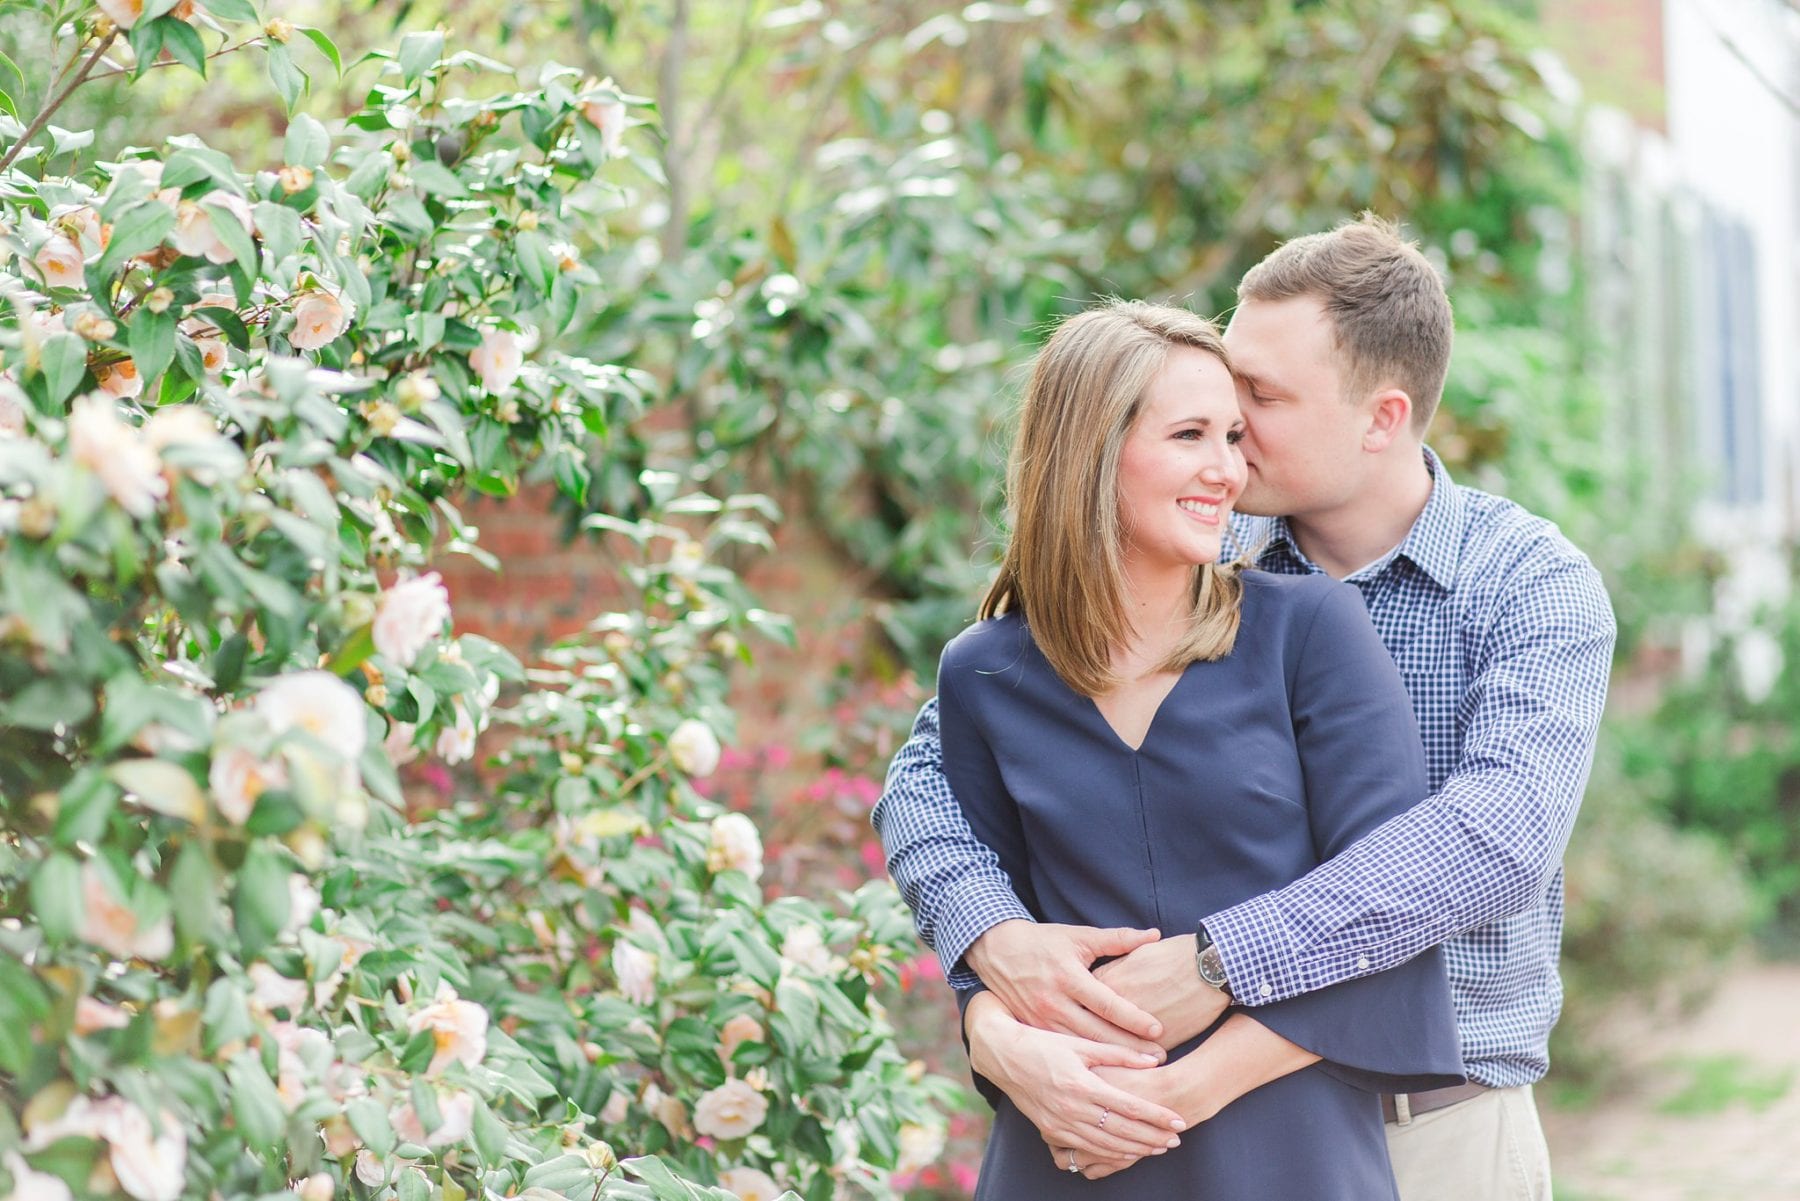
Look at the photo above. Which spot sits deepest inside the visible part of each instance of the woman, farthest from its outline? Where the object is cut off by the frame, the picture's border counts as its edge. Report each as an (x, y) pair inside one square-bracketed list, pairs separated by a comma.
[(1144, 735)]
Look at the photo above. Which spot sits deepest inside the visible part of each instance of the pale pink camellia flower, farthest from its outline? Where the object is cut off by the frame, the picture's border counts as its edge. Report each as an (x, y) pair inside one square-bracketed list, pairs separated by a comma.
[(270, 990), (369, 1168), (12, 408), (457, 1118), (748, 1184), (303, 902), (731, 1111), (114, 926), (635, 969), (124, 13), (112, 450), (320, 318), (498, 360), (92, 1016), (213, 357), (196, 232), (238, 777), (328, 973), (694, 748), (456, 743), (459, 1029), (82, 225), (150, 1165), (738, 1030), (32, 1185), (409, 616), (295, 1044), (804, 947), (735, 846), (318, 1187), (607, 114), (59, 261), (617, 1107), (320, 704), (120, 379)]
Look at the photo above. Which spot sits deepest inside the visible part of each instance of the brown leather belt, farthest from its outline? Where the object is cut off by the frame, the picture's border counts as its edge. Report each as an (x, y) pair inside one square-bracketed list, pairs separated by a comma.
[(1405, 1107)]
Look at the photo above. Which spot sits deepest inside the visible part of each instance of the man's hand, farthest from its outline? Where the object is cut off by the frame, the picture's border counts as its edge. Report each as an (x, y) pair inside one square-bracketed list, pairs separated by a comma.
[(1052, 1078), (1161, 979), (1044, 975)]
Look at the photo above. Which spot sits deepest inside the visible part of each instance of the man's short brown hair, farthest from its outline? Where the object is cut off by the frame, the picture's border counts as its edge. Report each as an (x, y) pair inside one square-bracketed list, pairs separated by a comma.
[(1390, 317)]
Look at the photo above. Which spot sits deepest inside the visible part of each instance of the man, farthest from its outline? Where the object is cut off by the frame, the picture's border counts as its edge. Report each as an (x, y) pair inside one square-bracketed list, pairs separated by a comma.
[(1503, 634)]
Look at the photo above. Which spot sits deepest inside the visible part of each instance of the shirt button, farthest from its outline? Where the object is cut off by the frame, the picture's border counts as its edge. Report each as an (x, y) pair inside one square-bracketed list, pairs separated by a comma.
[(1266, 990), (1362, 961)]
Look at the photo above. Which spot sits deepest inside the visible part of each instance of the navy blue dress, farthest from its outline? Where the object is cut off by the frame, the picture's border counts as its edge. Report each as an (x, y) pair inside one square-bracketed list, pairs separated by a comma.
[(1256, 768)]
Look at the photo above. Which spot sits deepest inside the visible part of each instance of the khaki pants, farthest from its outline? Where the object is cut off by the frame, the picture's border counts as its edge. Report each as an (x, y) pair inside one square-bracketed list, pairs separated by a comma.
[(1488, 1148)]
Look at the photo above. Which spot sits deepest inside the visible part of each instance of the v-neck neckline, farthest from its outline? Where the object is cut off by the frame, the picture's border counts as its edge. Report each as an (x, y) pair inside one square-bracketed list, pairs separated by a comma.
[(1150, 727)]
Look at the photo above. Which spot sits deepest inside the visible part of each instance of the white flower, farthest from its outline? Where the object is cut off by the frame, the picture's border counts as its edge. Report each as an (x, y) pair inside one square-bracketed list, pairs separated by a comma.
[(303, 901), (318, 1187), (124, 13), (320, 704), (114, 926), (319, 319), (12, 408), (694, 748), (399, 743), (30, 1185), (920, 1147), (735, 846), (733, 1110), (636, 972), (409, 616), (237, 778), (497, 360), (749, 1184), (607, 114), (212, 355), (270, 990), (687, 558), (150, 1166), (196, 232), (459, 1029), (457, 743), (128, 469), (805, 947), (59, 261)]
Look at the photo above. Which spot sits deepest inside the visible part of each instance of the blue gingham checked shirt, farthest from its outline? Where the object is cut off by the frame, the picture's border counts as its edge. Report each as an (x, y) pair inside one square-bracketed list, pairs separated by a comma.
[(1504, 635)]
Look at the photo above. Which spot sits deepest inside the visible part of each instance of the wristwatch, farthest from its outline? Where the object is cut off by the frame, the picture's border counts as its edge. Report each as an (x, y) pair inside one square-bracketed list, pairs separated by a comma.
[(1212, 966)]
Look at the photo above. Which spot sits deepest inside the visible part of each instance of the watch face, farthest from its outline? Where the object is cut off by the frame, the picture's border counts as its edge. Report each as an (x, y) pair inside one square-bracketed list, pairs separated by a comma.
[(1212, 967)]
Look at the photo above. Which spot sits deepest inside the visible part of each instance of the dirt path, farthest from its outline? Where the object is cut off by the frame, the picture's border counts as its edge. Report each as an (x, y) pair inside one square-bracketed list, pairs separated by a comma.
[(1711, 1111)]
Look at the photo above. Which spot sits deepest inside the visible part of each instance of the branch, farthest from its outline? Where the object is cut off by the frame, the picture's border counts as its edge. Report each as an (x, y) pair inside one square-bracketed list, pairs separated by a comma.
[(169, 62), (55, 102)]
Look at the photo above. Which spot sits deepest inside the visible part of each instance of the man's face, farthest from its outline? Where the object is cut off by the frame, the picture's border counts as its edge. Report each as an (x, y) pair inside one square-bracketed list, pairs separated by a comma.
[(1303, 444)]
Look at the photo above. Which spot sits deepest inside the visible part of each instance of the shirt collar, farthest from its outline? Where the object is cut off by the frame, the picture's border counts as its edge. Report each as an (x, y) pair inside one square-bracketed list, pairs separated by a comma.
[(1433, 544)]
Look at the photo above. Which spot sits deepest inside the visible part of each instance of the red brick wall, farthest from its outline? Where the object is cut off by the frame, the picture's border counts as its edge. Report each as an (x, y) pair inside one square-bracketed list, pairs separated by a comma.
[(1615, 47)]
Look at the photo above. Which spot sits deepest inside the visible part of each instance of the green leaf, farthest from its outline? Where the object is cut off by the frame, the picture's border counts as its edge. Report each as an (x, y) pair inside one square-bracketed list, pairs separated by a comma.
[(535, 260), (168, 788), (664, 1184), (416, 1056), (290, 81), (64, 362), (566, 1172), (83, 806), (194, 888), (370, 1121), (183, 43), (307, 143), (326, 47), (263, 901), (49, 702), (23, 1004), (56, 897), (146, 38), (254, 1101), (230, 10), (419, 52), (152, 343), (141, 227), (231, 231), (6, 102), (435, 179), (280, 228), (489, 1135), (412, 1186)]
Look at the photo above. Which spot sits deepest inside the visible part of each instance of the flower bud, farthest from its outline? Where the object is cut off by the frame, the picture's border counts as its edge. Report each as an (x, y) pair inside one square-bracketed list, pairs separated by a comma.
[(278, 29), (159, 300), (415, 390), (37, 518), (95, 328), (295, 179), (572, 763), (529, 220), (508, 412), (102, 27)]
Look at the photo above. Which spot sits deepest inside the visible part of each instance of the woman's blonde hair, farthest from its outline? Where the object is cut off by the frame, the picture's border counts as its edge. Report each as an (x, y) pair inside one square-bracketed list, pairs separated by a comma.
[(1064, 568)]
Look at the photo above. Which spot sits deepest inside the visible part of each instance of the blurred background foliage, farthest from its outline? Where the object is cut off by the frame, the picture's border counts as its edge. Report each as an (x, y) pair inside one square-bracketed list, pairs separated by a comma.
[(898, 195)]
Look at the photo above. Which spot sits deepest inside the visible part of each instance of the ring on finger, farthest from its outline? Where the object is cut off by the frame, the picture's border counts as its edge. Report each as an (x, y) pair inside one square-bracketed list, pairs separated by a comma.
[(1073, 1166), (1104, 1114)]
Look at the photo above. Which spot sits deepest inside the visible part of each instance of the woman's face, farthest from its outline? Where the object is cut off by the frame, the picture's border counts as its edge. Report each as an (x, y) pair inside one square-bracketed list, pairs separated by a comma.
[(1181, 470)]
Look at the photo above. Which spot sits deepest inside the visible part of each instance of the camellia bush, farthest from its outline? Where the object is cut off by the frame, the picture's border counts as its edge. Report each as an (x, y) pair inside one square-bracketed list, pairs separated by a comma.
[(238, 410)]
